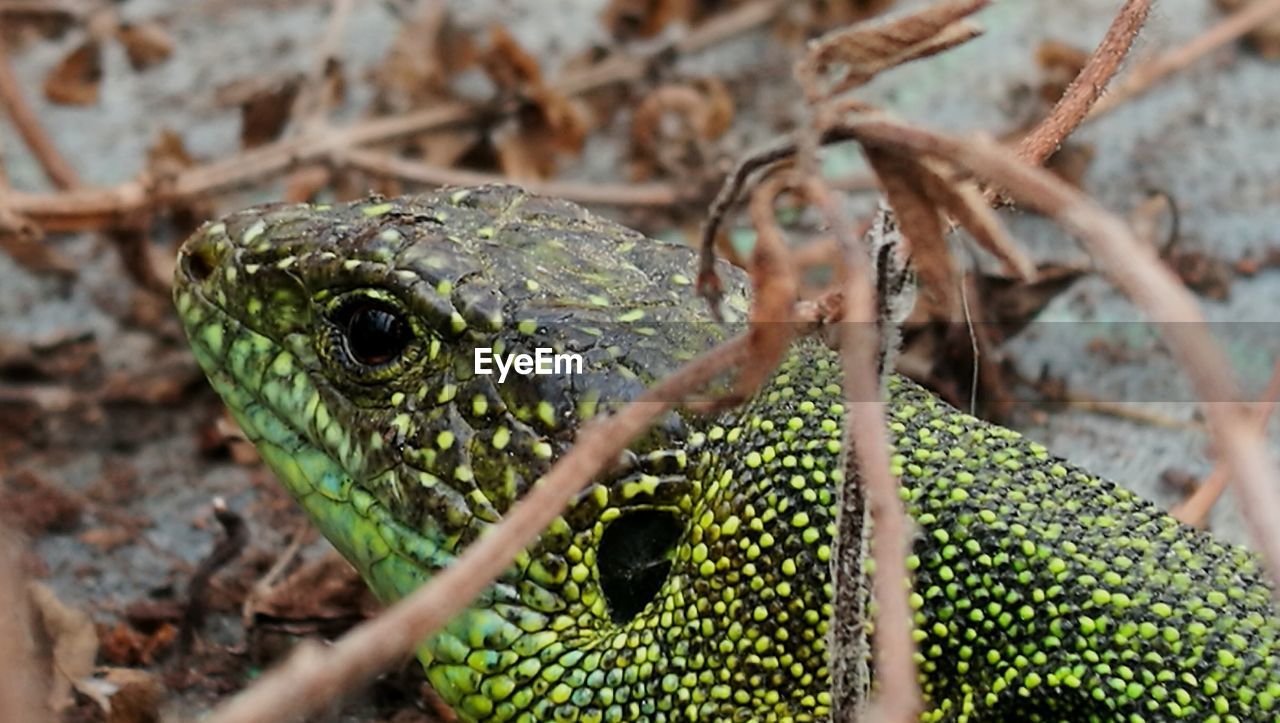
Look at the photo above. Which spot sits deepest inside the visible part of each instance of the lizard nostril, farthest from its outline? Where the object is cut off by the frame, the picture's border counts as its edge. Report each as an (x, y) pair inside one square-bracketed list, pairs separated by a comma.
[(200, 258)]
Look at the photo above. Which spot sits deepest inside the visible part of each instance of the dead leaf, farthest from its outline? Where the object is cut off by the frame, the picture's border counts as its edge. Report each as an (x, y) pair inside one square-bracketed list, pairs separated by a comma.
[(427, 52), (325, 595), (146, 44), (126, 695), (917, 216), (37, 506), (71, 641), (125, 645), (629, 19), (546, 124), (700, 110), (75, 80), (264, 115), (511, 68), (1059, 63), (863, 51)]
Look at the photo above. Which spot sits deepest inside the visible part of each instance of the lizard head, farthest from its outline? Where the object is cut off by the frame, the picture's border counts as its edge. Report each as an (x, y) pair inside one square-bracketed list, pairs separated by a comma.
[(344, 340)]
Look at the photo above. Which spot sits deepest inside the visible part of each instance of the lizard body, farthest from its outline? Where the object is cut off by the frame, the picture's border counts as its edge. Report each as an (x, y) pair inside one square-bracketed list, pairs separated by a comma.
[(691, 582)]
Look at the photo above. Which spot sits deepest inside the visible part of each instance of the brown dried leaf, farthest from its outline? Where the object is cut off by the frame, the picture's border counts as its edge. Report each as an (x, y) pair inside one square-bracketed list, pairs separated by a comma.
[(265, 113), (38, 506), (702, 111), (71, 639), (320, 592), (146, 44), (125, 695), (966, 204), (546, 128), (36, 256), (168, 155), (1060, 63), (77, 77), (1012, 303), (511, 68), (867, 49), (427, 52), (628, 19), (921, 226)]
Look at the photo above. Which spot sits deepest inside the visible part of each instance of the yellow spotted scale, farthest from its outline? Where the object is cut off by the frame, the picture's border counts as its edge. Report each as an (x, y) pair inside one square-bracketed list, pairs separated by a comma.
[(691, 583)]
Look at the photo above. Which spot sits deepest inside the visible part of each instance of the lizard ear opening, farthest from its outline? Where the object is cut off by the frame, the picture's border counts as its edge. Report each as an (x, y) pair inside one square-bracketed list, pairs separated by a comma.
[(634, 559)]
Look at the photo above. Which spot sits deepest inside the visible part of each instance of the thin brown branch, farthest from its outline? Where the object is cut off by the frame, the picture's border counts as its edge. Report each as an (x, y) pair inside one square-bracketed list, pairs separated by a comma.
[(314, 676), (386, 165), (28, 126), (1088, 85), (1147, 74), (1195, 509), (1135, 268), (869, 493)]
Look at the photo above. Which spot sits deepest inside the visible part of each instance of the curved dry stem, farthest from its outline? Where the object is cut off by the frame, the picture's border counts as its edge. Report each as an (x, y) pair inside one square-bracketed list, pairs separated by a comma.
[(869, 493), (312, 677)]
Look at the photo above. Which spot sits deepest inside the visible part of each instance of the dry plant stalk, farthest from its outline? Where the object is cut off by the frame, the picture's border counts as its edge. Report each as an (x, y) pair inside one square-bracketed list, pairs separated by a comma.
[(1195, 509), (15, 105)]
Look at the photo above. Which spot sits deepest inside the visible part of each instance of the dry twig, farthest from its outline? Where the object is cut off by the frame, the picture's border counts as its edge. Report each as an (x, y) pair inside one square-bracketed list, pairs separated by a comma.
[(1195, 509), (28, 126), (378, 163), (1147, 74), (1088, 85)]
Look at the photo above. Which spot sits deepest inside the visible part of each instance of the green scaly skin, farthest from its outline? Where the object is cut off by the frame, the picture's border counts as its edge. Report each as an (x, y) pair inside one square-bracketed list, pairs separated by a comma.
[(1041, 592)]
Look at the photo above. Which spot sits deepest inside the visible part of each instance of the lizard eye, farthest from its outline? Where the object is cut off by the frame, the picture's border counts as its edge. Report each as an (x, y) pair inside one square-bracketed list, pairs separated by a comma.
[(634, 559), (373, 333)]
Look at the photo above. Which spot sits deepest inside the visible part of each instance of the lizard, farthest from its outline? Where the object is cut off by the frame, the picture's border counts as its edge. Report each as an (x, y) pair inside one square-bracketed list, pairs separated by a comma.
[(692, 581)]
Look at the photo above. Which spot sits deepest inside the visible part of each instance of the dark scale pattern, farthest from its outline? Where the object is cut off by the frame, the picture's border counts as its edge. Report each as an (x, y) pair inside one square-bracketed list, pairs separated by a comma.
[(1040, 592)]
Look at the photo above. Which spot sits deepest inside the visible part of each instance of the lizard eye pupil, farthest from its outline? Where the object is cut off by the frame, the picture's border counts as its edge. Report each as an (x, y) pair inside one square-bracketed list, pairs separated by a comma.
[(374, 334)]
